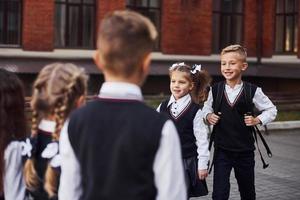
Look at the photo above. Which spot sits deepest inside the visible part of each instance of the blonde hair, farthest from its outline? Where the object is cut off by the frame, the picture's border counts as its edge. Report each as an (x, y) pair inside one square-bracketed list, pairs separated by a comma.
[(200, 80), (55, 92), (237, 49), (125, 39)]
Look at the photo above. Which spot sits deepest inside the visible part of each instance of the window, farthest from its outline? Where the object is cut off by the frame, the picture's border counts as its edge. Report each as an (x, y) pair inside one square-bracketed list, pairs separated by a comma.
[(74, 23), (10, 22), (150, 9), (286, 26), (227, 23)]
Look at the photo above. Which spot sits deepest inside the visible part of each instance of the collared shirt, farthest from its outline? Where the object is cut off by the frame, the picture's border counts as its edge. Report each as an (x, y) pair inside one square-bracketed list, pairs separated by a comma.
[(167, 167), (260, 100), (200, 129)]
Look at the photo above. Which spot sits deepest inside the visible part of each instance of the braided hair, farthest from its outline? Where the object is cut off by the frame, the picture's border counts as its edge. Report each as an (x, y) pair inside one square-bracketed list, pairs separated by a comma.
[(56, 91)]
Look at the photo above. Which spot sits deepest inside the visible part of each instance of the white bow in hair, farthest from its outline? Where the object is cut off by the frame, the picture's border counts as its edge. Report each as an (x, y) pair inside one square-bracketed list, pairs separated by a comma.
[(55, 161), (26, 148), (51, 150), (176, 64), (195, 69)]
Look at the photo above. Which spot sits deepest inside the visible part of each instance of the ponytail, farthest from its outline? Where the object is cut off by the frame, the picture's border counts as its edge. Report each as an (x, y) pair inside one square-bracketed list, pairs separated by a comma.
[(201, 81)]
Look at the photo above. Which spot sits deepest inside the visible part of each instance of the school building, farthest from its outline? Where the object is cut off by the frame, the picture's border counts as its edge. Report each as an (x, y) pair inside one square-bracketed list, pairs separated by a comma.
[(34, 33)]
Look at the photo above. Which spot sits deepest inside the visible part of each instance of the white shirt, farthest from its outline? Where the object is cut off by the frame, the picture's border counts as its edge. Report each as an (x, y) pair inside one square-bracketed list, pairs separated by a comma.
[(200, 129), (260, 100), (167, 167), (13, 180)]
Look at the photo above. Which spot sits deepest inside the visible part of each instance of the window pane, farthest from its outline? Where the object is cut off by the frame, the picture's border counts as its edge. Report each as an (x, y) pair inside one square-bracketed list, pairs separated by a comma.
[(237, 30), (225, 30), (216, 5), (227, 6), (279, 6), (60, 25), (216, 33), (279, 34), (88, 26), (73, 26), (74, 1), (289, 5), (296, 37), (289, 32), (130, 2), (237, 6), (1, 22), (89, 1), (154, 3), (142, 3)]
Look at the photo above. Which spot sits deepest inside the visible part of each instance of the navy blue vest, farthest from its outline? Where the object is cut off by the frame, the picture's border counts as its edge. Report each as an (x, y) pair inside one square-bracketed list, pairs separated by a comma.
[(116, 142), (231, 132), (185, 127)]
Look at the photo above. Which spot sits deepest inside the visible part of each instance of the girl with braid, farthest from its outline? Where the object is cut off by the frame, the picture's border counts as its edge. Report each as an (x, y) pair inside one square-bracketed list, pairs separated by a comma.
[(58, 89), (12, 131)]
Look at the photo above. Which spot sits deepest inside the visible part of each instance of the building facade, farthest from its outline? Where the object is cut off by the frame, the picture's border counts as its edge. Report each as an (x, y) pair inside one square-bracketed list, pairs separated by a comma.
[(36, 32)]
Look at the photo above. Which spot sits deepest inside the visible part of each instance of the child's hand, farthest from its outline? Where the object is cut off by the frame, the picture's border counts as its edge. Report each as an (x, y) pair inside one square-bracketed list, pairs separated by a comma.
[(203, 173), (212, 118), (251, 121)]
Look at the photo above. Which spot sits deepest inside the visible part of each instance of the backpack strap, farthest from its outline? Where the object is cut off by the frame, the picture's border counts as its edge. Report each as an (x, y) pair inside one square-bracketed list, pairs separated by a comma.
[(217, 93), (249, 91)]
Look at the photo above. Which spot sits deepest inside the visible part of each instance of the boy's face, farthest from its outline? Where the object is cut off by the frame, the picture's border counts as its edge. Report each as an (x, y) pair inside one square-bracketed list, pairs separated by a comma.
[(232, 66), (180, 85)]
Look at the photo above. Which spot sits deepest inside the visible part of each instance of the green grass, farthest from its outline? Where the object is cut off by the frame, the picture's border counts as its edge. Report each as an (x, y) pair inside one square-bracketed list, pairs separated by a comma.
[(288, 116)]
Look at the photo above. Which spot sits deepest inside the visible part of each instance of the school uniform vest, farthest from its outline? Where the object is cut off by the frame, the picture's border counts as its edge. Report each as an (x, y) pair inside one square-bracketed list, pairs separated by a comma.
[(231, 132), (185, 127), (41, 164), (116, 142)]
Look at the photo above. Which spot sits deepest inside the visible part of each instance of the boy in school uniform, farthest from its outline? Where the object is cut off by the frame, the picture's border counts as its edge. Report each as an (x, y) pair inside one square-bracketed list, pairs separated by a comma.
[(233, 139), (116, 147)]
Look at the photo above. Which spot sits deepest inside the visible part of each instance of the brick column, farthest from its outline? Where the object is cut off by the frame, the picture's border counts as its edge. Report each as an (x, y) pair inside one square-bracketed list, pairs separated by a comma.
[(268, 27), (186, 27), (38, 25), (250, 26)]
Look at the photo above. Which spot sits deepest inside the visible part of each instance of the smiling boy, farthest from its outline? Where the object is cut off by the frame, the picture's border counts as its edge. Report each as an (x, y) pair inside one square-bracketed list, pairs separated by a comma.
[(228, 110)]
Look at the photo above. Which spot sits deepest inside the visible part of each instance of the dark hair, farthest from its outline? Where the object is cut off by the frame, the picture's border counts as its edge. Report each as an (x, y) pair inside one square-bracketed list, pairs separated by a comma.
[(125, 39), (200, 79), (12, 113)]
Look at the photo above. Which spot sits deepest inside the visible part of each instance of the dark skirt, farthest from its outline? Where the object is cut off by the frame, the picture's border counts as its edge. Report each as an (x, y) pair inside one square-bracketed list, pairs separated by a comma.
[(195, 186)]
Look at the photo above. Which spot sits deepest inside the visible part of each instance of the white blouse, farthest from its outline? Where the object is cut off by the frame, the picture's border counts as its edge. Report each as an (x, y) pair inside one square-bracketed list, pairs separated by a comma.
[(13, 181)]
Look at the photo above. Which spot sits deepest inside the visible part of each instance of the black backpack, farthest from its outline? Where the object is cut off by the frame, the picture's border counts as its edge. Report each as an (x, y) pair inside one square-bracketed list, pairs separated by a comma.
[(249, 91)]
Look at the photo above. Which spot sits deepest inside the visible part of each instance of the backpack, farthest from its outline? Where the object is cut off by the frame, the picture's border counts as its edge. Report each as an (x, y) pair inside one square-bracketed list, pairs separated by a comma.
[(249, 91)]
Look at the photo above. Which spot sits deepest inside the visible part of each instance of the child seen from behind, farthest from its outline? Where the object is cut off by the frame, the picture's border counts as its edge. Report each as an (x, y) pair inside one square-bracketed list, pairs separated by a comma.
[(58, 89)]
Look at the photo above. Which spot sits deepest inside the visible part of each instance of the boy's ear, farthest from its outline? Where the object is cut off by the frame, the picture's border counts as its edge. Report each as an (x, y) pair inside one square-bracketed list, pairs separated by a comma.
[(146, 63), (80, 101), (97, 59), (245, 66)]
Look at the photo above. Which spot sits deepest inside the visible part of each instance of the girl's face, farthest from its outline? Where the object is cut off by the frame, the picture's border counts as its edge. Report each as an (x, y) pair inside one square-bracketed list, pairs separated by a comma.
[(180, 85)]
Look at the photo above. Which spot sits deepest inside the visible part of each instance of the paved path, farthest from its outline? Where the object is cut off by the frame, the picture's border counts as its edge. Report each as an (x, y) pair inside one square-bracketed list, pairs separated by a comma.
[(281, 180)]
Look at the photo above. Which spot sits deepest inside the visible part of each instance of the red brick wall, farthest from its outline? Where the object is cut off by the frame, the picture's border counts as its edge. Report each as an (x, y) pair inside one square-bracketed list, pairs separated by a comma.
[(186, 27), (250, 27), (38, 25), (268, 27)]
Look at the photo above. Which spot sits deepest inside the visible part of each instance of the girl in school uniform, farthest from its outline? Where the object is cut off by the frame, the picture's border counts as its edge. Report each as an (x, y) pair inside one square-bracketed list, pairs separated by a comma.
[(12, 131), (58, 89), (188, 87)]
